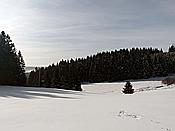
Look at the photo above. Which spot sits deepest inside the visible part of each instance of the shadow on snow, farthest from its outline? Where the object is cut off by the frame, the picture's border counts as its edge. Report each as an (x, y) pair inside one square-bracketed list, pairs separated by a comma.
[(31, 92)]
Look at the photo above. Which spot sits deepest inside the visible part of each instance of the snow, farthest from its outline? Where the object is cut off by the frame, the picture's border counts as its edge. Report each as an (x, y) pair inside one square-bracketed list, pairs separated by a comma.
[(100, 107), (28, 69)]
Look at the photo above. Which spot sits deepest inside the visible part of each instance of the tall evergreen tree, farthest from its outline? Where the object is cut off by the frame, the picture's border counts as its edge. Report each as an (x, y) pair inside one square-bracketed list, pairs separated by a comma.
[(11, 64)]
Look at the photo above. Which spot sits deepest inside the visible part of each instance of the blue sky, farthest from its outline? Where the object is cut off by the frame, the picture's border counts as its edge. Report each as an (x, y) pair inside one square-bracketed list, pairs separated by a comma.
[(47, 31)]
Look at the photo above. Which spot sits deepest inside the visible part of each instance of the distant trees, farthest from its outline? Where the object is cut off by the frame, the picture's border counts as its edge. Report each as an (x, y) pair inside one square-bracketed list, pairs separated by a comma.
[(172, 48), (11, 63), (118, 65), (57, 76)]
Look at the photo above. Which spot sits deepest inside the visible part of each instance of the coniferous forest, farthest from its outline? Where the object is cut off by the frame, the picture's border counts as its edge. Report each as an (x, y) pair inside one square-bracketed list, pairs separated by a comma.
[(118, 65), (11, 63)]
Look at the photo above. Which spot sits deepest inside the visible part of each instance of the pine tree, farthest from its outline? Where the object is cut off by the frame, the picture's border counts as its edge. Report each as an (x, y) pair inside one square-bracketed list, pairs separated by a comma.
[(21, 70), (128, 88), (11, 65), (172, 48)]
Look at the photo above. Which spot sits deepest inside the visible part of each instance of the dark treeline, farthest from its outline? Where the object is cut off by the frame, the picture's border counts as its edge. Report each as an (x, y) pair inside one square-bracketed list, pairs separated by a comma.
[(118, 65), (11, 63)]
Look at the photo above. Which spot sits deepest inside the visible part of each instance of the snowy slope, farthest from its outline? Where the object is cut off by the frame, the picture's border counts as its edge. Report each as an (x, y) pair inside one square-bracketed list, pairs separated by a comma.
[(100, 107)]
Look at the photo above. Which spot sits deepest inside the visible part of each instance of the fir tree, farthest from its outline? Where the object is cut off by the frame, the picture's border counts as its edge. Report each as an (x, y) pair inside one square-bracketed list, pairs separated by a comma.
[(172, 48), (11, 64)]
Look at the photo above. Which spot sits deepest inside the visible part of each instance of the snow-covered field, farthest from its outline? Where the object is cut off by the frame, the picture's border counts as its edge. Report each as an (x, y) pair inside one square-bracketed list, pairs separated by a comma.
[(100, 107)]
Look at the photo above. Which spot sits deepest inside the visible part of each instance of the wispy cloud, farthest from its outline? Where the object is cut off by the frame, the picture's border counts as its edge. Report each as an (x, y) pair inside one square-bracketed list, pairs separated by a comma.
[(51, 30)]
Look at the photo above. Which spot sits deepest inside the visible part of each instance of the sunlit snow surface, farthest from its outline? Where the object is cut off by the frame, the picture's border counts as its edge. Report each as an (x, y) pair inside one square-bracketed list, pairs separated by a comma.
[(100, 107)]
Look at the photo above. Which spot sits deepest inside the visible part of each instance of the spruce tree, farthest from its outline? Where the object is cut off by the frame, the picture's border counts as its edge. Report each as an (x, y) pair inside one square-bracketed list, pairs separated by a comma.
[(11, 64), (172, 48)]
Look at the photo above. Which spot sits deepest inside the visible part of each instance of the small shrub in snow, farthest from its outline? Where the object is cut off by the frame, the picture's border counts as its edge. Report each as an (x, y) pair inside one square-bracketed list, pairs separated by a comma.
[(128, 88)]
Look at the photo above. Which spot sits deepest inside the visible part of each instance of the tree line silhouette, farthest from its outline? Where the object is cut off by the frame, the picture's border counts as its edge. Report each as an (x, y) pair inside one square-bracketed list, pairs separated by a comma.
[(12, 65), (118, 65)]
